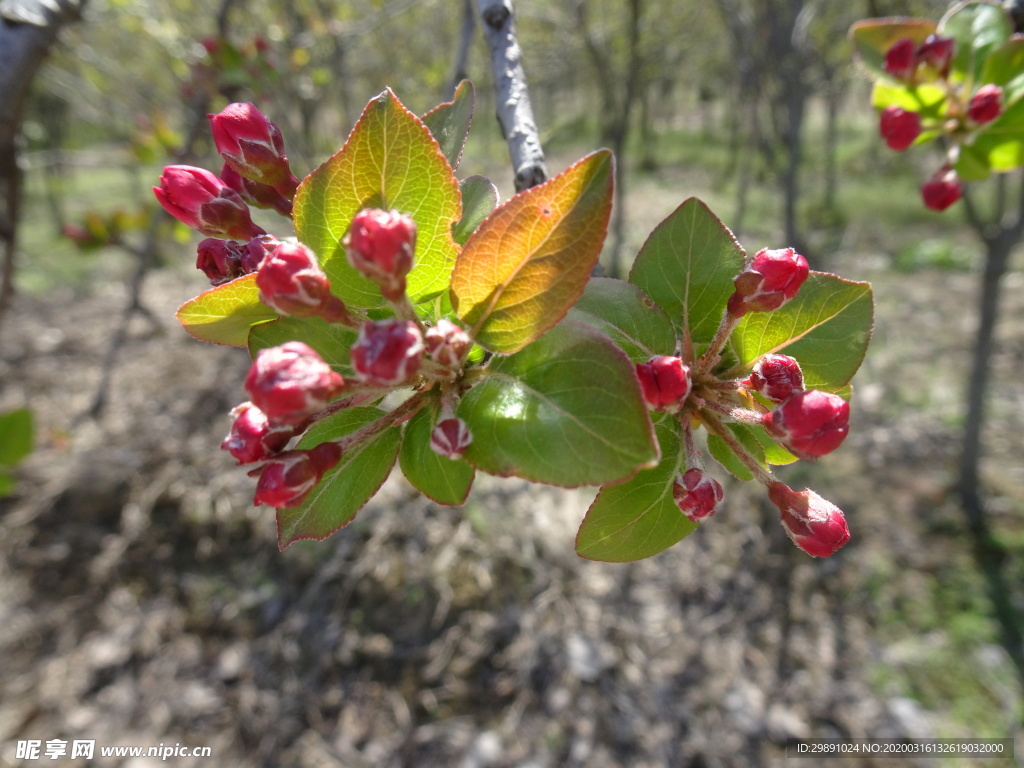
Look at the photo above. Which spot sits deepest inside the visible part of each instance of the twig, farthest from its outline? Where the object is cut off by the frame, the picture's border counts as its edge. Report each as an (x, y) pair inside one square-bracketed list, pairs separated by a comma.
[(460, 72)]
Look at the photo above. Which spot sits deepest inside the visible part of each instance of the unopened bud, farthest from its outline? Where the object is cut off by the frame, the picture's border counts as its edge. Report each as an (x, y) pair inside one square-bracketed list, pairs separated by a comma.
[(937, 52), (380, 245), (291, 281), (773, 278), (252, 144), (899, 127), (986, 105), (256, 250), (446, 343), (291, 382), (253, 437), (388, 352), (901, 59), (777, 377), (450, 438), (201, 200), (697, 494), (664, 382), (810, 423), (942, 189), (814, 524), (220, 260), (255, 193), (288, 478)]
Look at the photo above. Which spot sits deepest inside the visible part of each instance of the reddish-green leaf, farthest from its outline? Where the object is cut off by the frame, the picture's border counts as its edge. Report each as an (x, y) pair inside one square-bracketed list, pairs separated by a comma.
[(389, 161), (449, 122), (446, 481), (873, 37), (224, 315), (529, 261)]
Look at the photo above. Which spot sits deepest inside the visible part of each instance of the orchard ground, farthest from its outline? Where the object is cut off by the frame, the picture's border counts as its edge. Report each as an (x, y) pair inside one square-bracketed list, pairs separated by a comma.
[(144, 600)]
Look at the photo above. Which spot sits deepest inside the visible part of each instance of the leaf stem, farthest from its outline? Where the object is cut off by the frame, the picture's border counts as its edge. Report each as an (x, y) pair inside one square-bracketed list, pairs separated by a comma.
[(711, 356), (717, 427), (403, 412)]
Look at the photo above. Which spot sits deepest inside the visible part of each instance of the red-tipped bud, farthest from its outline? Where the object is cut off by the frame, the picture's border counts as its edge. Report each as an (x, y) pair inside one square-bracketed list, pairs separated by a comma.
[(773, 278), (816, 525), (777, 377), (255, 193), (664, 382), (450, 438), (899, 127), (446, 343), (202, 201), (252, 144), (697, 494), (220, 260), (810, 423), (380, 244), (937, 52), (253, 437), (291, 382), (388, 353), (291, 281), (986, 105), (942, 189), (901, 59), (287, 479)]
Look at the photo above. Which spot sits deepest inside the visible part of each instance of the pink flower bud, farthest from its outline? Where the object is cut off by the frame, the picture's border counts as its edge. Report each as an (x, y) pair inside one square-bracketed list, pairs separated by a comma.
[(288, 478), (937, 52), (450, 438), (380, 244), (220, 260), (942, 189), (901, 59), (257, 249), (777, 377), (255, 193), (291, 382), (253, 437), (388, 352), (201, 200), (291, 281), (664, 382), (810, 423), (986, 105), (814, 524), (446, 343), (899, 127), (773, 278), (252, 144), (697, 494)]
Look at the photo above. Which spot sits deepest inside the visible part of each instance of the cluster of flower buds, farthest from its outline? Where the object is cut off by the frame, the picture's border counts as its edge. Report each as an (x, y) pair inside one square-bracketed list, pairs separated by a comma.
[(913, 64)]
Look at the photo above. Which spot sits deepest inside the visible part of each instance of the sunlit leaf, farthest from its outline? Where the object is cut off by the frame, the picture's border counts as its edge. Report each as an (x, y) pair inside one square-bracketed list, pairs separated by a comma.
[(636, 324), (224, 315), (928, 100), (449, 122), (446, 481)]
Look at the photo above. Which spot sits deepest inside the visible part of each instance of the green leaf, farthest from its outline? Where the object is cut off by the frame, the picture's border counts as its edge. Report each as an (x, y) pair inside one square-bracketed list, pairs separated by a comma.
[(567, 410), (332, 342), (449, 122), (389, 161), (826, 327), (224, 315), (346, 488), (637, 325), (724, 455), (979, 30), (17, 435), (873, 37), (639, 518), (530, 260), (687, 267), (928, 100), (443, 480), (7, 483), (1005, 68), (479, 196)]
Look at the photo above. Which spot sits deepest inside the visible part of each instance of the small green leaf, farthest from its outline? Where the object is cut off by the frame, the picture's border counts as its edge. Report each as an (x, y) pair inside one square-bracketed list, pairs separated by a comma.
[(724, 455), (979, 30), (927, 100), (224, 315), (530, 260), (17, 435), (443, 480), (637, 325), (7, 483), (826, 327), (479, 196), (346, 488), (390, 160), (332, 342), (1005, 68), (873, 37), (566, 410), (687, 266), (639, 518), (449, 122)]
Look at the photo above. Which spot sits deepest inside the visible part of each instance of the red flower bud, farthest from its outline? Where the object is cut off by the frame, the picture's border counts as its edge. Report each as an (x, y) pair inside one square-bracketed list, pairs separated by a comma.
[(388, 352), (814, 524), (253, 437), (291, 382), (810, 423), (202, 201), (777, 377), (291, 281), (256, 250), (899, 127), (446, 343), (380, 245), (252, 144), (942, 189), (986, 105), (901, 59), (697, 494), (773, 278), (220, 260), (664, 382), (450, 438), (288, 478), (937, 52), (255, 193)]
